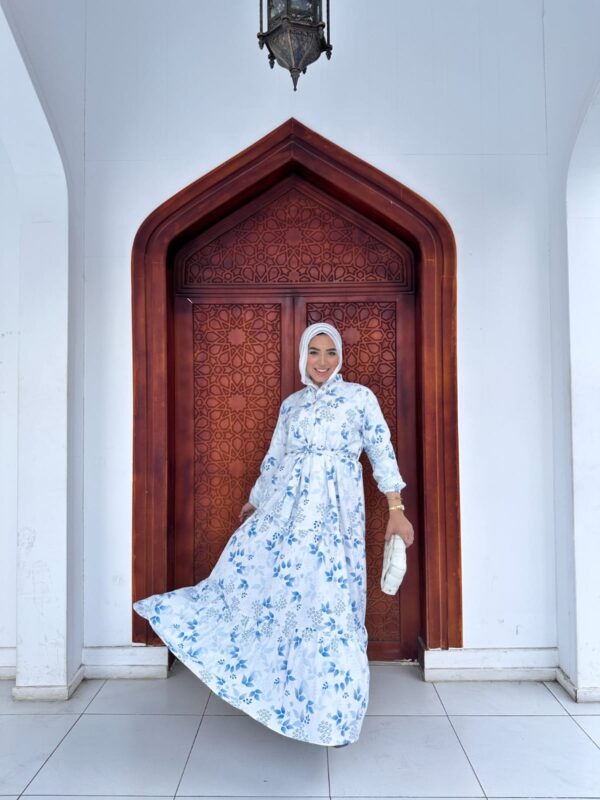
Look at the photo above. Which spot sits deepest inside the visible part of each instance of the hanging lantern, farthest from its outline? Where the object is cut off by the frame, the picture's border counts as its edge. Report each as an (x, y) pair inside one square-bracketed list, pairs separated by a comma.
[(295, 35)]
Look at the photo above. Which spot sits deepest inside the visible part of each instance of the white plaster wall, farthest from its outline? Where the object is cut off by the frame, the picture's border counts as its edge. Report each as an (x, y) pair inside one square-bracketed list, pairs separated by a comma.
[(471, 103), (9, 354), (442, 108)]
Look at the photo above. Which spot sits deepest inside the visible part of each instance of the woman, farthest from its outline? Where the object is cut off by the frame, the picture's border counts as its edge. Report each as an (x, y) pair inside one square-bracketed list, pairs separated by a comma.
[(277, 629)]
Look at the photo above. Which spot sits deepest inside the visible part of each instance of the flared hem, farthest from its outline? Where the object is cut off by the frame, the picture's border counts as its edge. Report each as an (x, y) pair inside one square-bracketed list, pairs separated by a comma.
[(210, 680)]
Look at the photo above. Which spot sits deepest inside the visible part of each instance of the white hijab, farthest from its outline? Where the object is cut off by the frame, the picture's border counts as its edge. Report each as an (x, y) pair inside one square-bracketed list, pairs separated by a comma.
[(313, 330)]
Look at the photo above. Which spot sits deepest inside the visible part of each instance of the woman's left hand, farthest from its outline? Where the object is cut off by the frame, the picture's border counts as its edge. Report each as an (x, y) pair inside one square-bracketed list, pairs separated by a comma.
[(399, 524), (247, 509)]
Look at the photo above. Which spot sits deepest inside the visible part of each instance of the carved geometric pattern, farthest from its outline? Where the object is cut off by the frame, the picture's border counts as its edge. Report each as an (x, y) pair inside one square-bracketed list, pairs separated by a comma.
[(368, 331), (296, 239), (237, 388)]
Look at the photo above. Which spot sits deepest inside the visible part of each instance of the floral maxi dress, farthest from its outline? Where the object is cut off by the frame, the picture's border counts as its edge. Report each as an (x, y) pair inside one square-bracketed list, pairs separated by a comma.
[(277, 629)]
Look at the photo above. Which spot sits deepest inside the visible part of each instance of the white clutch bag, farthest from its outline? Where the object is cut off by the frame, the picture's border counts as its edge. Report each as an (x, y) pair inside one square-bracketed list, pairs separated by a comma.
[(394, 564)]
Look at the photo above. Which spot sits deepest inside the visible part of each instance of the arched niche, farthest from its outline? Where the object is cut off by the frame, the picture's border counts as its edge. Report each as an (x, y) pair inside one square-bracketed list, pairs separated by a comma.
[(293, 149)]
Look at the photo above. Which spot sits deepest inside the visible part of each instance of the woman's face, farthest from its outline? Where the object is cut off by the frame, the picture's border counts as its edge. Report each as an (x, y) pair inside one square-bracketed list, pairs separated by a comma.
[(322, 358)]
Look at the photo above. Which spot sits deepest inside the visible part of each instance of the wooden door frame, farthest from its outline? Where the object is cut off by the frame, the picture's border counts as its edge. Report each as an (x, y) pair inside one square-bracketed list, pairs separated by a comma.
[(293, 148)]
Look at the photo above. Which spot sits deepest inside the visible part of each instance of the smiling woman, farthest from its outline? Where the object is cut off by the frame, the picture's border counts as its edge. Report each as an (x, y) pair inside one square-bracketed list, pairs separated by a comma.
[(278, 627), (320, 353), (322, 358)]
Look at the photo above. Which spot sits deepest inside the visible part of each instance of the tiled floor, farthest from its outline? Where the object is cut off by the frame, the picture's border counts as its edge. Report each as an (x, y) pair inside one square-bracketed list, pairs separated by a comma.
[(167, 738)]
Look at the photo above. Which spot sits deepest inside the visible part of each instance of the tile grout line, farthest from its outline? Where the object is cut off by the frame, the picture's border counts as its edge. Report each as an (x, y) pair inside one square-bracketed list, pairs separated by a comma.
[(95, 695), (589, 736), (61, 740), (459, 741), (192, 745), (49, 756), (242, 716), (558, 700)]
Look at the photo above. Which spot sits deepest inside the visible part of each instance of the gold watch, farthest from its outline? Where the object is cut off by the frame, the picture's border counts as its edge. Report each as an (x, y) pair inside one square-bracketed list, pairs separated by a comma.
[(399, 505)]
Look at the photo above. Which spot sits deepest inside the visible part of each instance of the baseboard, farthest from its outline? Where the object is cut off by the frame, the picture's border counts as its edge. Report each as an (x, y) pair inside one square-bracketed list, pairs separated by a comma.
[(49, 692), (97, 662), (488, 663), (587, 695), (453, 664), (134, 661)]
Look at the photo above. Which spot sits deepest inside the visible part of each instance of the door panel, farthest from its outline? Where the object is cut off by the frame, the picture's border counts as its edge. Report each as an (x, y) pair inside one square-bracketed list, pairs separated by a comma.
[(379, 352), (244, 291), (231, 377)]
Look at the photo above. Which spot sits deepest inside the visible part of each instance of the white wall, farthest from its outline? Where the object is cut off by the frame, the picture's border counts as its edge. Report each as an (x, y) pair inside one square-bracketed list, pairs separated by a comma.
[(468, 102), (435, 104)]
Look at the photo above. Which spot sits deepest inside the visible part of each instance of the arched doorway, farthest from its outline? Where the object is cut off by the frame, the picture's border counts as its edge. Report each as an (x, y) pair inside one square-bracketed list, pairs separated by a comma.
[(291, 231)]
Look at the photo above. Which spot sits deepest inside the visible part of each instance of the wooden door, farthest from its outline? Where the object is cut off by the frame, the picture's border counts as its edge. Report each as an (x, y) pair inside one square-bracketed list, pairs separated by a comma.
[(244, 290)]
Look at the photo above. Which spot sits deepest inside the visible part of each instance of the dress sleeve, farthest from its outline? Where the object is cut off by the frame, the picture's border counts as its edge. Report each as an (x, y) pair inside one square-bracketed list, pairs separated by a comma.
[(378, 447), (271, 460)]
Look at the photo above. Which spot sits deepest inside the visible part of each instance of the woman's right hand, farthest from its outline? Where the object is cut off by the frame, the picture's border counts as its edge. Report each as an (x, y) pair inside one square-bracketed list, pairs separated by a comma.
[(246, 511)]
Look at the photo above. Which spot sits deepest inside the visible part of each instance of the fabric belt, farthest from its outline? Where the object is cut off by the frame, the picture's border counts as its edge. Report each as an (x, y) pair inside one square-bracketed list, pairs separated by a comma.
[(340, 452)]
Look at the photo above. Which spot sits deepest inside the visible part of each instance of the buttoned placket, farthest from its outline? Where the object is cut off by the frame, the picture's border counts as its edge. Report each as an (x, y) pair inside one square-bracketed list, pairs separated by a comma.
[(317, 439), (317, 397), (317, 445)]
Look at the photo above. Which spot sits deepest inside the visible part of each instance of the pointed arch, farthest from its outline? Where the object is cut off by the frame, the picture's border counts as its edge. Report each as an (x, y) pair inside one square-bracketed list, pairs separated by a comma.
[(292, 149)]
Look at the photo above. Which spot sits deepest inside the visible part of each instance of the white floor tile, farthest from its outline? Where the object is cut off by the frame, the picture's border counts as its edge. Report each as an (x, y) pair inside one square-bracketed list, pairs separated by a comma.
[(400, 689), (498, 697), (567, 701), (396, 756), (238, 756), (181, 693), (74, 705), (591, 725), (517, 736), (530, 756), (216, 705), (26, 741), (120, 754)]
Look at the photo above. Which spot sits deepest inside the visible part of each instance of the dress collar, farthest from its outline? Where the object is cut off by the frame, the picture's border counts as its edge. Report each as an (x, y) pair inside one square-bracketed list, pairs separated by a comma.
[(335, 379)]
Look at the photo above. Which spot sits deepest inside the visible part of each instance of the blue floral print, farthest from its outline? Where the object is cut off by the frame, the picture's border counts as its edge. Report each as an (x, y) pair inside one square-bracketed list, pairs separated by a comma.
[(277, 629)]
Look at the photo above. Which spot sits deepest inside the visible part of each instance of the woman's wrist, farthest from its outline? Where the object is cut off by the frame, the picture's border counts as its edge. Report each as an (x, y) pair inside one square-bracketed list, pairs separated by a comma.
[(395, 503)]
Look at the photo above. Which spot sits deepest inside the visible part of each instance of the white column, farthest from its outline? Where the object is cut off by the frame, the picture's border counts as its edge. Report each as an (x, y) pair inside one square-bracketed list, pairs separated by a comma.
[(583, 212), (42, 532)]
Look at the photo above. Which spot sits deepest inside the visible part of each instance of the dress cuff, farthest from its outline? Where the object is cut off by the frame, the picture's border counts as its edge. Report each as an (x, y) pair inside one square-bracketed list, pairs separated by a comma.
[(392, 487)]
